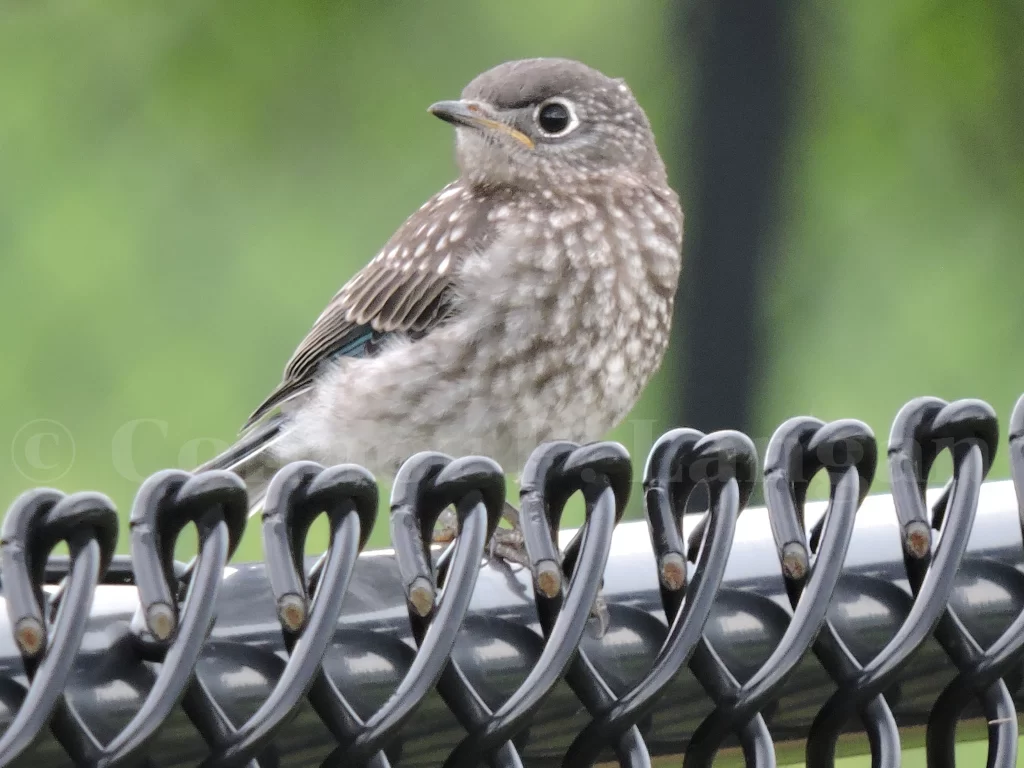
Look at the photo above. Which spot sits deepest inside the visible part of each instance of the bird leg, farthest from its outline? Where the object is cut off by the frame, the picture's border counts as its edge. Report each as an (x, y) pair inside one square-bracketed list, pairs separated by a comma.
[(506, 544), (508, 547)]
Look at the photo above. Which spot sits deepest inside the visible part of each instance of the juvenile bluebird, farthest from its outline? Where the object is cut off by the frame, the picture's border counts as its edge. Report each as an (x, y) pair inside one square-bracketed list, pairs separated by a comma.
[(528, 300)]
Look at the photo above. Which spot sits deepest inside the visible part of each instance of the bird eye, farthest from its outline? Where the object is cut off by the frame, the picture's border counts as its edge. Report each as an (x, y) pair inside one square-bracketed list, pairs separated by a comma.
[(555, 117)]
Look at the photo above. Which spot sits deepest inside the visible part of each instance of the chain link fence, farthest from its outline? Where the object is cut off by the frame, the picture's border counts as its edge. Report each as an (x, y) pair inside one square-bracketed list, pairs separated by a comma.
[(780, 631)]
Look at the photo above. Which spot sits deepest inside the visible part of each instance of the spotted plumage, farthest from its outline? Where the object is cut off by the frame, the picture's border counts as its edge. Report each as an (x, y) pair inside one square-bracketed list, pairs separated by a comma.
[(405, 289), (530, 299)]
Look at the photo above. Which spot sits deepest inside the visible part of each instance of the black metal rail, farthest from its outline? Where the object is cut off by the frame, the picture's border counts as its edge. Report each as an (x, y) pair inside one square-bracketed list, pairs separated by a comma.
[(800, 622)]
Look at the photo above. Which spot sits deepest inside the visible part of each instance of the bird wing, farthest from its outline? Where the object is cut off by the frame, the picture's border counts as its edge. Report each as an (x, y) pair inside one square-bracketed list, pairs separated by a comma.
[(404, 291)]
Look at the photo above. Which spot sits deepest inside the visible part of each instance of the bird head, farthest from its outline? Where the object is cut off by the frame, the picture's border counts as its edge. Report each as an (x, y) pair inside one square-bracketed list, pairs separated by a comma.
[(550, 124)]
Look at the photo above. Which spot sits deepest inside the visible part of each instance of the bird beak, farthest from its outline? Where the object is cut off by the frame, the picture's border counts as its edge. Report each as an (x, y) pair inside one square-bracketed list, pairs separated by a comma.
[(473, 114)]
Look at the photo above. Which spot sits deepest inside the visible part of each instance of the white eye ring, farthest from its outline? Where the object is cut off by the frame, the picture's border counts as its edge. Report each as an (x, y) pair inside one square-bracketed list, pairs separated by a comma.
[(571, 126)]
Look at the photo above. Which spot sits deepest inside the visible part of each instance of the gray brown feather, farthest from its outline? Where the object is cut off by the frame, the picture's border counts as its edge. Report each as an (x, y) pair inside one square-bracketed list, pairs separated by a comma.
[(406, 289)]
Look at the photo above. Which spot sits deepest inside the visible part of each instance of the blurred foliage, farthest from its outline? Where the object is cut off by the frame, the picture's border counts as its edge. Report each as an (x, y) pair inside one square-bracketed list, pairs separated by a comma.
[(184, 186), (902, 256)]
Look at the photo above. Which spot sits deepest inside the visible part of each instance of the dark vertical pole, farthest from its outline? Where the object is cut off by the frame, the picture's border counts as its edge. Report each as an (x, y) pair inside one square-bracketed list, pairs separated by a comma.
[(741, 110)]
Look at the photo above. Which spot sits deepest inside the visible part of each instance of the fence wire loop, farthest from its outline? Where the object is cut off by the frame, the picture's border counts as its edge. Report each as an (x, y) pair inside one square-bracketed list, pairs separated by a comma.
[(593, 468), (847, 449), (980, 673), (1017, 457), (923, 428), (601, 472), (728, 457), (798, 450), (176, 612), (454, 686), (48, 630), (166, 503), (155, 647), (677, 464), (297, 495), (425, 485), (301, 494), (967, 426)]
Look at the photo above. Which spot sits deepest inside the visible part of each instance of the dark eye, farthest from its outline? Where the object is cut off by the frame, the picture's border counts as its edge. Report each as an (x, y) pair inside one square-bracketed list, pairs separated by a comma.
[(555, 117)]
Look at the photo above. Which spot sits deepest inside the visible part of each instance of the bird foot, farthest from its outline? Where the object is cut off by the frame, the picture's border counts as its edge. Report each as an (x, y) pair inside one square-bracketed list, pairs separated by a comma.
[(507, 544), (507, 547), (447, 527)]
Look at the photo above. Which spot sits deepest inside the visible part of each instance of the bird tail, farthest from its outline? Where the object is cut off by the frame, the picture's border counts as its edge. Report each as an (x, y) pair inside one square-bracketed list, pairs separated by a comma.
[(251, 459)]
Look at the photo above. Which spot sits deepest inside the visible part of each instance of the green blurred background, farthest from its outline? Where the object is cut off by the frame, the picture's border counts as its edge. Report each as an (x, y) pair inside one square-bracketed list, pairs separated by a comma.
[(183, 186)]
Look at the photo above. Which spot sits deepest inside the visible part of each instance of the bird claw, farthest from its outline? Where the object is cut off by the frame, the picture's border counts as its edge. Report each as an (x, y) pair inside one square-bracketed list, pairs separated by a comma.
[(600, 614), (507, 544), (448, 527)]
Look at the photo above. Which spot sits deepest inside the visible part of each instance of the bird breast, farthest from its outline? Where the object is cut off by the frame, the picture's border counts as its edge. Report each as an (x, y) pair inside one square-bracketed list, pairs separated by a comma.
[(560, 324), (574, 307)]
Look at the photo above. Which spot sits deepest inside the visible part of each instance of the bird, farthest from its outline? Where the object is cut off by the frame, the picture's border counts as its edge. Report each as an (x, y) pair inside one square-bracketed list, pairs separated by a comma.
[(528, 300)]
